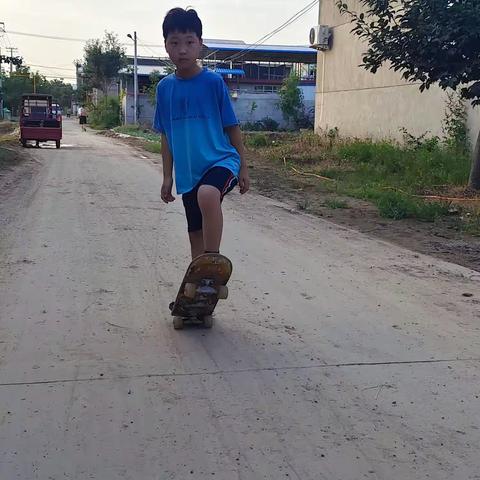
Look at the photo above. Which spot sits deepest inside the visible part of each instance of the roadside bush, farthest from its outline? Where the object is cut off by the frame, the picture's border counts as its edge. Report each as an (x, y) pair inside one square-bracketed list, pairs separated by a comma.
[(267, 124), (153, 147), (397, 205), (139, 131), (257, 140), (415, 169), (106, 114)]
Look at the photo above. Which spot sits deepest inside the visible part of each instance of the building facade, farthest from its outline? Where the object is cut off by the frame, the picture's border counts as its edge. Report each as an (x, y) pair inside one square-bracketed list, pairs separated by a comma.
[(362, 104), (253, 76)]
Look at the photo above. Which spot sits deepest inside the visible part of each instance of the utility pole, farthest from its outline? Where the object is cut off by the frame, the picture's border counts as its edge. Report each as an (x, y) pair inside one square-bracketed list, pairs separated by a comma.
[(2, 30), (135, 78), (11, 58)]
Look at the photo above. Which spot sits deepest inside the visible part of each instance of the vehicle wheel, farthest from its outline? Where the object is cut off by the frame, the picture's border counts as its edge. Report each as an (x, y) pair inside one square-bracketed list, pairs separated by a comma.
[(178, 323), (57, 143), (222, 292), (208, 321), (190, 290)]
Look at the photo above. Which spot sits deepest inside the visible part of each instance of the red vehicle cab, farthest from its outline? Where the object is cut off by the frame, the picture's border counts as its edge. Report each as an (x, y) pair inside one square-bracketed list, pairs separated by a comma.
[(38, 121)]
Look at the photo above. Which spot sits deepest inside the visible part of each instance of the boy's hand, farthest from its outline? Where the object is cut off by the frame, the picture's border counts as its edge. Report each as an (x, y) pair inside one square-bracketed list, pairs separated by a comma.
[(244, 180), (166, 192)]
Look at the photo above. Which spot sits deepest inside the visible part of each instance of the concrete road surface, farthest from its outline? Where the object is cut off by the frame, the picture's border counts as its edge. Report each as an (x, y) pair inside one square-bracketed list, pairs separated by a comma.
[(336, 357)]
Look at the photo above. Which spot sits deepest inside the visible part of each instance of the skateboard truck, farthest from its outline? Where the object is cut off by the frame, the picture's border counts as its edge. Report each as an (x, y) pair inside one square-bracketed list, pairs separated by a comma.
[(203, 285)]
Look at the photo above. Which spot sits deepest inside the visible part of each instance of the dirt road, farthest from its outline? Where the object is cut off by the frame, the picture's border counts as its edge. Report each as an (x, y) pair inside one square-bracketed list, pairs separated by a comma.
[(337, 356)]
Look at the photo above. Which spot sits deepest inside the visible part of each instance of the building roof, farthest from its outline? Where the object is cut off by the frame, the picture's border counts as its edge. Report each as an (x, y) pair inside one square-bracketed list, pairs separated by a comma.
[(223, 50), (230, 71), (145, 69)]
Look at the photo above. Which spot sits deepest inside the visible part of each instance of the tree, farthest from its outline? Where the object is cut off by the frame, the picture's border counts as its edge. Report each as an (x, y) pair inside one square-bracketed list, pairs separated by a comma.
[(24, 81), (15, 86), (152, 88), (17, 61), (103, 59), (291, 99), (428, 41)]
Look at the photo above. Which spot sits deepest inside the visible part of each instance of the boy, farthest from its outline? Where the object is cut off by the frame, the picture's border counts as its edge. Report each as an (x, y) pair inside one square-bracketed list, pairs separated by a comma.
[(200, 134)]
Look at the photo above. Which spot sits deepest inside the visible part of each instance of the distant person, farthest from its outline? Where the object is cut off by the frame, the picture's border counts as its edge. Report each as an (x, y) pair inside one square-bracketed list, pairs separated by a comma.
[(82, 116), (201, 137)]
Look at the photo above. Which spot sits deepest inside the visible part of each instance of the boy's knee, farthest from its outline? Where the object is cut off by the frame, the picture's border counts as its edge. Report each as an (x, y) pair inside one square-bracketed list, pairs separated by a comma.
[(207, 194)]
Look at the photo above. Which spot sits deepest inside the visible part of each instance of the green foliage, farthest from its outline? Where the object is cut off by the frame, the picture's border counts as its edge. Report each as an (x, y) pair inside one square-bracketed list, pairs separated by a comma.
[(106, 114), (392, 176), (335, 203), (455, 123), (429, 41), (138, 131), (153, 147), (417, 168), (23, 80), (257, 140), (15, 86), (267, 124), (416, 142), (103, 59), (154, 78), (291, 99), (153, 142), (17, 61), (398, 205)]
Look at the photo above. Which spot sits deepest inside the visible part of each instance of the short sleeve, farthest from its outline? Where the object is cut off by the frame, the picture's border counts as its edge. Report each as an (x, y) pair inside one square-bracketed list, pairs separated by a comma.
[(157, 120), (229, 119)]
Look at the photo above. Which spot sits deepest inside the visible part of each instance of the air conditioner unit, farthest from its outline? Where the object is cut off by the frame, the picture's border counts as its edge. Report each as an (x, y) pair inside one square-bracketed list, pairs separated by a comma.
[(320, 37)]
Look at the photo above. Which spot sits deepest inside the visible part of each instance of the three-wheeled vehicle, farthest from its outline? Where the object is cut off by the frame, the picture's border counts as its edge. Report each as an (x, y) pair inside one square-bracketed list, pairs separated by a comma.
[(38, 121)]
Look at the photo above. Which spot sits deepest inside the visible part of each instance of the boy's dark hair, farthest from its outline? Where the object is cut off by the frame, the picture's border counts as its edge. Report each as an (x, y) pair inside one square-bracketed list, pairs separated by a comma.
[(180, 20)]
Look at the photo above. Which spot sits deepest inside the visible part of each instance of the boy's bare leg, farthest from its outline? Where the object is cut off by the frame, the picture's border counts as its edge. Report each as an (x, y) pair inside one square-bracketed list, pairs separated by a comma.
[(209, 201), (196, 243)]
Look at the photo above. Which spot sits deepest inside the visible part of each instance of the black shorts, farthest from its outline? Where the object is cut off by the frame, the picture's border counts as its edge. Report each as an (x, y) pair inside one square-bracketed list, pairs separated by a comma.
[(219, 177)]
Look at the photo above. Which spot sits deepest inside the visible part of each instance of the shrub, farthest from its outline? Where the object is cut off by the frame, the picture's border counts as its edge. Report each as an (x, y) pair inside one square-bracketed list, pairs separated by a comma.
[(106, 114), (269, 124), (257, 140)]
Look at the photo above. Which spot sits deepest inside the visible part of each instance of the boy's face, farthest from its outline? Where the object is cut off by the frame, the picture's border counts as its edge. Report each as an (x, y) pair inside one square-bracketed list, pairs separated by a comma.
[(183, 49)]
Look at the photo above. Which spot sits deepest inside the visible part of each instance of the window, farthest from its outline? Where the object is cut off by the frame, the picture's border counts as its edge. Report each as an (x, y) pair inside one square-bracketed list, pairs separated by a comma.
[(266, 88)]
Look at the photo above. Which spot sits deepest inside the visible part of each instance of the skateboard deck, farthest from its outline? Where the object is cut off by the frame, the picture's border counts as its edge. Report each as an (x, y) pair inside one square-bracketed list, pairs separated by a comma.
[(203, 285)]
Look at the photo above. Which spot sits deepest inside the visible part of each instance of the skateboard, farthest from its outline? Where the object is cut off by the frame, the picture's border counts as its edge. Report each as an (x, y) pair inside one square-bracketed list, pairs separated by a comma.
[(202, 286)]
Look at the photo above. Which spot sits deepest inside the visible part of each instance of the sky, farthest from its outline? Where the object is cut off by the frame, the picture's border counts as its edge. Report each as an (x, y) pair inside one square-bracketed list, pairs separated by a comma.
[(246, 20)]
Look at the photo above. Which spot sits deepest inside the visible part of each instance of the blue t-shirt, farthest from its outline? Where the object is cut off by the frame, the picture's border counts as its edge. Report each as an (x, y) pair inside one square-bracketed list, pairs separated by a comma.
[(193, 113)]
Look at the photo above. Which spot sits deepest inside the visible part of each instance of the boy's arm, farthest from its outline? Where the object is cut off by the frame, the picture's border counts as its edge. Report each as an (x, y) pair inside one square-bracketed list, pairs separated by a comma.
[(167, 161), (235, 135)]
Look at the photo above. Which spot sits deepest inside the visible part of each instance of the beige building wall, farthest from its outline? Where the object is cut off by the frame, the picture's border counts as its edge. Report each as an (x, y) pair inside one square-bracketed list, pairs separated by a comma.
[(361, 104)]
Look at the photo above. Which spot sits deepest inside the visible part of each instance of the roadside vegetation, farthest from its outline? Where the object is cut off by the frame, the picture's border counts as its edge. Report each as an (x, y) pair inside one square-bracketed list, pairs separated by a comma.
[(423, 178), (151, 140), (8, 138)]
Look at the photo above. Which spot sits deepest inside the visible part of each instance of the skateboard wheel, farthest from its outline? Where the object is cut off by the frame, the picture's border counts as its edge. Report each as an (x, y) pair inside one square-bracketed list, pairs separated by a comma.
[(190, 290), (208, 321), (178, 323), (222, 292)]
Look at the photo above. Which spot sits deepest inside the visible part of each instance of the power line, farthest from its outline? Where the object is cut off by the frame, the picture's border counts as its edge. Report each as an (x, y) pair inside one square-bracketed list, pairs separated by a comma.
[(165, 63), (266, 37), (50, 67), (50, 37), (71, 39)]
